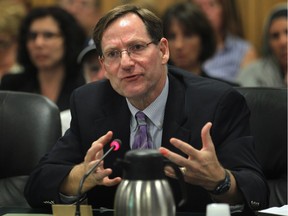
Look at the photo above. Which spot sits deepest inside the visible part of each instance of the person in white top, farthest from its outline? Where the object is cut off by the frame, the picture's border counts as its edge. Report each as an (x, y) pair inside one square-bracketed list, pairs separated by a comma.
[(271, 69)]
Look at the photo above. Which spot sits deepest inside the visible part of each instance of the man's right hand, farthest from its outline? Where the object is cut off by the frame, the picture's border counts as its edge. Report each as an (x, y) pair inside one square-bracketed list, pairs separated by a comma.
[(100, 176)]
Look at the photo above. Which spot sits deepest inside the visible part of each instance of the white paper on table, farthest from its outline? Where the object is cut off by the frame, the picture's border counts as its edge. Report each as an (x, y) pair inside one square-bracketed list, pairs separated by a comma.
[(283, 211)]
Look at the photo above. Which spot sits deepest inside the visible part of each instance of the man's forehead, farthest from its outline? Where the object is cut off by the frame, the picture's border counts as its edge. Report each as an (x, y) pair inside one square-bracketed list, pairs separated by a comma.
[(127, 24), (124, 23), (126, 20)]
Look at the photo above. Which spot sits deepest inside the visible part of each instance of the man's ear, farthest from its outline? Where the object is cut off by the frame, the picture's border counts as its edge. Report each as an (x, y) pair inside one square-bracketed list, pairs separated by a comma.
[(103, 67), (164, 49), (100, 59)]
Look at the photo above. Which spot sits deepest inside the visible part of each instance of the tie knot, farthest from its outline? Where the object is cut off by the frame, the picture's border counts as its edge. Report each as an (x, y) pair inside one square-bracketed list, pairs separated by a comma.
[(142, 138), (140, 117)]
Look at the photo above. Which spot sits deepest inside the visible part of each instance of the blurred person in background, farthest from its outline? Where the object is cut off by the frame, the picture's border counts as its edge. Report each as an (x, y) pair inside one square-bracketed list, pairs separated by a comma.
[(92, 71), (90, 64), (271, 69), (233, 52), (50, 40), (191, 37), (11, 15), (86, 12)]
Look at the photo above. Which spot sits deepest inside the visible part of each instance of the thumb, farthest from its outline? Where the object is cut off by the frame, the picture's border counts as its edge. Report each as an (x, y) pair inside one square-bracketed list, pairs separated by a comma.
[(207, 142)]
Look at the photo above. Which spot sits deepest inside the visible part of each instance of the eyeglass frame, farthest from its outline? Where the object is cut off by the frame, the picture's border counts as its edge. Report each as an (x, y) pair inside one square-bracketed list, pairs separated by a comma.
[(119, 52)]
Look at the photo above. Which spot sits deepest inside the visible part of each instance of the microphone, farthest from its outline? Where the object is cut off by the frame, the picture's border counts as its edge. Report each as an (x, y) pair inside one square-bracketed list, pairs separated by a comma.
[(114, 146)]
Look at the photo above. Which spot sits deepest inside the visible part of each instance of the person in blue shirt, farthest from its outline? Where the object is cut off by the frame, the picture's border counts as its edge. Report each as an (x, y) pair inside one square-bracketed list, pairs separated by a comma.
[(233, 52)]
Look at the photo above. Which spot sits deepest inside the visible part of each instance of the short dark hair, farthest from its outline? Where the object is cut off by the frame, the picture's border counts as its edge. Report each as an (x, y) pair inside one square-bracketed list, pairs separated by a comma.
[(192, 21), (151, 21)]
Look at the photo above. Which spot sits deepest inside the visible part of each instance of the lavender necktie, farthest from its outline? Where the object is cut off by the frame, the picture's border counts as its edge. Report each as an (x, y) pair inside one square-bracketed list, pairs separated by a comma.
[(142, 139)]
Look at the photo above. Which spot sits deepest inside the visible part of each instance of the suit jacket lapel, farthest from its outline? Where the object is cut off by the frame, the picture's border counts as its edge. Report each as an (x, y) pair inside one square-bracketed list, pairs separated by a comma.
[(175, 116), (118, 120)]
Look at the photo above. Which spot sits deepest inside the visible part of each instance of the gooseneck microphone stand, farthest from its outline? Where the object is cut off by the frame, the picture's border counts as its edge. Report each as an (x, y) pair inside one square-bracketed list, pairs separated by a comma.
[(115, 145)]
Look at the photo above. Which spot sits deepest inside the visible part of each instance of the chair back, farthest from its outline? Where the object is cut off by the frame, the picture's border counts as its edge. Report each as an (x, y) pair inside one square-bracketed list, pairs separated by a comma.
[(29, 126), (268, 124)]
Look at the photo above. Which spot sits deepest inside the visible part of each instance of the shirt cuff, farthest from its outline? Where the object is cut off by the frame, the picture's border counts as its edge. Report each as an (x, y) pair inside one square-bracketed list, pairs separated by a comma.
[(236, 208), (72, 199)]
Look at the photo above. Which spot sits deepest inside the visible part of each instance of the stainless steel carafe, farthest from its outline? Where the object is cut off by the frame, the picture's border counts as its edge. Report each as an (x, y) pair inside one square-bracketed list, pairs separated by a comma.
[(144, 190)]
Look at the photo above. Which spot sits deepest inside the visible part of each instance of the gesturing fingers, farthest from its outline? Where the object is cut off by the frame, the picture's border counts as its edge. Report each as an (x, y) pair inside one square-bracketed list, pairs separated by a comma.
[(175, 158), (207, 142), (101, 177), (94, 151)]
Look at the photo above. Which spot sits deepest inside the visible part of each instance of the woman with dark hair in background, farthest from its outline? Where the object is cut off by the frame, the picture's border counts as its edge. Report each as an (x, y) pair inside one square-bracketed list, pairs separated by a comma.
[(190, 36), (233, 52), (50, 40), (271, 69)]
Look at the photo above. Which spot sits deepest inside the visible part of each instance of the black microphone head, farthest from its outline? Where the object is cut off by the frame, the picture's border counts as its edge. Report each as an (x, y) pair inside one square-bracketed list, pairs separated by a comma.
[(116, 143)]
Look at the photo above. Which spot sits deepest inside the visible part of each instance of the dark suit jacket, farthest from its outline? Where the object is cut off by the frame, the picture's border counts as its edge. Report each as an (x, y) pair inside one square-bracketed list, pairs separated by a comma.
[(192, 101)]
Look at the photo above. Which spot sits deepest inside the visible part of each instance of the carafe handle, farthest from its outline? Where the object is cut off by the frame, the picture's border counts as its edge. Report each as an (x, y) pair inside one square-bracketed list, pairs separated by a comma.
[(181, 181)]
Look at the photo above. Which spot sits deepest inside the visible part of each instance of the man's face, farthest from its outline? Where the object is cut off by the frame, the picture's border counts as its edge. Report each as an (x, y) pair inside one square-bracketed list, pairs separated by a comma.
[(140, 77)]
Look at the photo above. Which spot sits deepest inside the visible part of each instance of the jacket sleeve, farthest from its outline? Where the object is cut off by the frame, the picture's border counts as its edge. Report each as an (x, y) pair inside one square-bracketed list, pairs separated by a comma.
[(235, 149)]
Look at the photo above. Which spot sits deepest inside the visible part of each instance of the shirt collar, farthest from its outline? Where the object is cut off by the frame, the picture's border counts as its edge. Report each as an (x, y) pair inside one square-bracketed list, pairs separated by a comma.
[(155, 111)]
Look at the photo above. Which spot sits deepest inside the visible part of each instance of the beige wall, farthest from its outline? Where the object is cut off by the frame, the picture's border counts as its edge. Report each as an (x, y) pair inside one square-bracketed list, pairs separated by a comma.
[(253, 13)]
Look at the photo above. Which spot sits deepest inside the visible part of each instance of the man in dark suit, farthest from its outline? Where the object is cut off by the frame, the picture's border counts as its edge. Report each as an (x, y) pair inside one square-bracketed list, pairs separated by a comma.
[(218, 161)]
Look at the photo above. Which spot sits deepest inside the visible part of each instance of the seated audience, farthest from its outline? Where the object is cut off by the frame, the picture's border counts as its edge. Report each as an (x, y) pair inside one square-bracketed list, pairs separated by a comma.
[(271, 69), (92, 71), (233, 52), (50, 40), (200, 124), (11, 15)]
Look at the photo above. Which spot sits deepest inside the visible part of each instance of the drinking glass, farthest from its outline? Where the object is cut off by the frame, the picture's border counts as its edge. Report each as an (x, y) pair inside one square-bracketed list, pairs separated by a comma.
[(218, 209)]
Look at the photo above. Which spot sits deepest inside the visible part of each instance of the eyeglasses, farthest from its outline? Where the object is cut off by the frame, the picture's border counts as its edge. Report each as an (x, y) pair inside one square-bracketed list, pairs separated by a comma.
[(46, 35), (134, 51)]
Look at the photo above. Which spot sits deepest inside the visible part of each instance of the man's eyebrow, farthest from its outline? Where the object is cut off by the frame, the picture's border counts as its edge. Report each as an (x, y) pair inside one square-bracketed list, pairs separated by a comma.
[(132, 42)]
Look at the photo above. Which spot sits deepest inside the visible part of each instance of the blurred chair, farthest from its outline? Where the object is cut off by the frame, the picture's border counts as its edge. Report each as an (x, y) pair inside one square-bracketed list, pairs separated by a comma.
[(29, 126), (269, 126)]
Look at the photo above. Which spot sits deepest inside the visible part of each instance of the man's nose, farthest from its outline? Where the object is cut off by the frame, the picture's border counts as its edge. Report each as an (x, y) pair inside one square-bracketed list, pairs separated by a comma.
[(125, 58)]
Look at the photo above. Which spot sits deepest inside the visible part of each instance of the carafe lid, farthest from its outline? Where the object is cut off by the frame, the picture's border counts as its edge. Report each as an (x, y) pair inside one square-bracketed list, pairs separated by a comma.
[(143, 164)]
